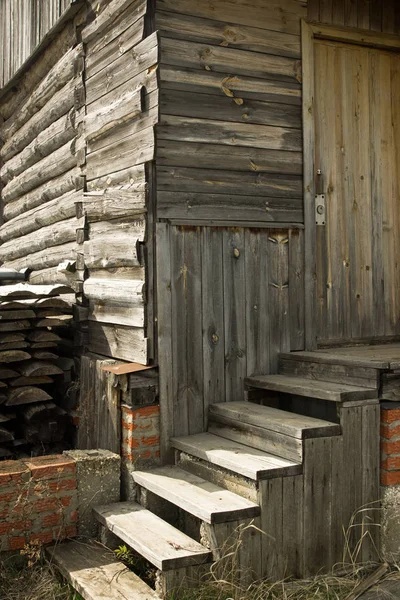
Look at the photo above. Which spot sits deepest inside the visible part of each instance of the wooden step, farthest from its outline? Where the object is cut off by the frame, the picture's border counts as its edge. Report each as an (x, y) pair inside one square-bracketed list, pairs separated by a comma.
[(269, 429), (96, 574), (291, 364), (157, 541), (195, 495), (311, 388), (378, 358), (241, 459)]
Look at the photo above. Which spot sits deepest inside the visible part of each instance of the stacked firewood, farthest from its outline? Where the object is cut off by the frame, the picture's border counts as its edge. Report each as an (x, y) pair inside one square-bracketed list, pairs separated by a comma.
[(33, 370)]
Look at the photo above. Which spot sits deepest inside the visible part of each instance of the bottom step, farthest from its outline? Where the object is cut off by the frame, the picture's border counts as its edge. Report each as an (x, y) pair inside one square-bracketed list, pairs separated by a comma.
[(96, 574)]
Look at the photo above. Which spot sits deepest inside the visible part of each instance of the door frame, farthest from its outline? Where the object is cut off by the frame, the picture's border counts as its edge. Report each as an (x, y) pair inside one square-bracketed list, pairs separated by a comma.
[(309, 33)]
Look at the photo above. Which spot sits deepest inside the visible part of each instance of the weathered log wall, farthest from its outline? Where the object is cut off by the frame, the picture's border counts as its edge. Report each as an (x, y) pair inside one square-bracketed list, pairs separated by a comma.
[(41, 135), (229, 139), (121, 56), (374, 15), (23, 25)]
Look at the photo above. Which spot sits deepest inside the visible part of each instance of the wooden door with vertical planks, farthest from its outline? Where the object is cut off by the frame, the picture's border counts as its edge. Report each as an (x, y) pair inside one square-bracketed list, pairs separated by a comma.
[(357, 149)]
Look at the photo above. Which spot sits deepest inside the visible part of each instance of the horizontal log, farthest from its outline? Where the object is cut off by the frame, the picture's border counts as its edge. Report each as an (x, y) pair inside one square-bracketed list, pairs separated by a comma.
[(63, 71), (58, 105), (125, 273), (110, 13), (56, 210), (194, 55), (220, 33), (133, 150), (135, 228), (9, 338), (39, 368), (55, 234), (144, 57), (26, 291), (112, 204), (51, 322), (225, 84), (49, 257), (119, 112), (111, 251), (104, 57), (56, 135), (211, 156), (10, 356), (132, 316), (275, 15), (23, 381), (59, 186), (57, 163), (132, 178), (117, 292), (10, 315), (44, 355), (26, 395), (14, 325), (38, 70), (42, 345), (43, 336), (224, 108), (53, 275), (229, 182), (134, 126), (125, 343), (231, 134), (7, 373), (15, 346), (228, 207)]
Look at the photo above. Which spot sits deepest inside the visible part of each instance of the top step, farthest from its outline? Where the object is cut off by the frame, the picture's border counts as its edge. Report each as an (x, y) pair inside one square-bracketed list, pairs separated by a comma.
[(375, 357), (195, 495), (311, 388), (154, 539), (96, 574)]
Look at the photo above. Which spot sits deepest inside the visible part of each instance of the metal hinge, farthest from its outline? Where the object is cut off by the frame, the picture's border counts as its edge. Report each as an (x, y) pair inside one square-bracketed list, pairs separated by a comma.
[(320, 204)]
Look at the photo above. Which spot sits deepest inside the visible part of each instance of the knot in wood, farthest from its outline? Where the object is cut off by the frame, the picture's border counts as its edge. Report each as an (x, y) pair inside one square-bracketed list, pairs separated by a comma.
[(214, 338), (236, 252)]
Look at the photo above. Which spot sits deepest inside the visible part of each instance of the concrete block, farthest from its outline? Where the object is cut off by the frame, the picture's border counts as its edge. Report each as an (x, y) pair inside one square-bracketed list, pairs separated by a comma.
[(390, 529), (98, 482)]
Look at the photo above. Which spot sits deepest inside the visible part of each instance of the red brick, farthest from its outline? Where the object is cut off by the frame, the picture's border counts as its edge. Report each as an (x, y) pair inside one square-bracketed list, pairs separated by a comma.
[(64, 484), (65, 500), (45, 504), (12, 470), (390, 477), (65, 532), (390, 415), (51, 520), (44, 467), (44, 537), (391, 463), (390, 447), (9, 527), (9, 496), (17, 542), (73, 517), (146, 411), (151, 441), (129, 426), (390, 431)]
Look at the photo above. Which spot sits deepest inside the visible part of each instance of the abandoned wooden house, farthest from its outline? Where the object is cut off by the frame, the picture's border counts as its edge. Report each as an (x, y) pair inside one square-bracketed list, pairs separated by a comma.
[(218, 181)]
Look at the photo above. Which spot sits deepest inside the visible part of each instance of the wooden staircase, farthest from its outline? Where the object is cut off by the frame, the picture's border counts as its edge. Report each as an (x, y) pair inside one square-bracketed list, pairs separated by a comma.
[(269, 467)]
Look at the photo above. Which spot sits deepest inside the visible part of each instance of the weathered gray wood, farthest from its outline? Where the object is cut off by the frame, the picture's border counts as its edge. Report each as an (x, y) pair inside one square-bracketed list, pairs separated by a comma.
[(55, 234), (235, 457), (271, 502), (109, 14), (180, 26), (359, 376), (226, 84), (352, 357), (35, 218), (38, 368), (278, 292), (10, 315), (296, 289), (110, 251), (228, 60), (299, 386), (118, 314), (119, 292), (10, 356), (95, 573), (57, 163), (114, 204), (44, 193), (219, 132), (292, 520), (370, 449), (276, 16), (26, 395), (175, 153), (200, 498), (154, 539), (265, 417), (125, 343), (24, 381), (190, 104), (49, 257)]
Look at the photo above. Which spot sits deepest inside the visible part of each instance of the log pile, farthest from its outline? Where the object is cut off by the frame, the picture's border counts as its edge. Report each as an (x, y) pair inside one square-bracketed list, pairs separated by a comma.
[(33, 371)]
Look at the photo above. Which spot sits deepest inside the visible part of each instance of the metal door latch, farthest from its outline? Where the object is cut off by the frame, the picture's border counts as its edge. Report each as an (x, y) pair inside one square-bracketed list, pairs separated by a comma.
[(320, 209)]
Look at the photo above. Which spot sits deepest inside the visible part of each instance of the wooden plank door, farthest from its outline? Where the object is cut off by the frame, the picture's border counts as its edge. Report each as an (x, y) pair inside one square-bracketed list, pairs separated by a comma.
[(357, 125)]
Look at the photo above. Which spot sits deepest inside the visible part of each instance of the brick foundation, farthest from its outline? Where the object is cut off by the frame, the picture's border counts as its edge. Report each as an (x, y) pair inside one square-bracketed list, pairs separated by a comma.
[(390, 443), (140, 433), (40, 498)]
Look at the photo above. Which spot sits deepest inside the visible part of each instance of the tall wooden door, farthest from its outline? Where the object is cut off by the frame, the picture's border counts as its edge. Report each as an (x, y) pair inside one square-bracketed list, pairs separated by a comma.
[(357, 116)]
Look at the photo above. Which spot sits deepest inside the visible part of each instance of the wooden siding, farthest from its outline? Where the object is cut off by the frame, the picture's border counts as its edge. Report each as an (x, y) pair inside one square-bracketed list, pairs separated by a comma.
[(121, 111), (40, 174), (230, 299), (229, 138), (23, 24), (375, 15)]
